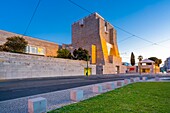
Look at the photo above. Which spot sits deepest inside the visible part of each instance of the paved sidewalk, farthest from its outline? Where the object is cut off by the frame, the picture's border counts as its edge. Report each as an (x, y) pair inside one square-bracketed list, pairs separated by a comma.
[(55, 99)]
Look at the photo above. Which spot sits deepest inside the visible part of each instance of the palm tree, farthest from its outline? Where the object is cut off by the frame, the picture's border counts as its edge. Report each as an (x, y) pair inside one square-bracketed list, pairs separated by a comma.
[(140, 57)]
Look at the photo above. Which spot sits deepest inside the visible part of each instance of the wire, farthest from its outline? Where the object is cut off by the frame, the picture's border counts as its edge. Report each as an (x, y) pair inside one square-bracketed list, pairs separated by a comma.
[(80, 6), (125, 39), (133, 34), (32, 17), (164, 41), (113, 24)]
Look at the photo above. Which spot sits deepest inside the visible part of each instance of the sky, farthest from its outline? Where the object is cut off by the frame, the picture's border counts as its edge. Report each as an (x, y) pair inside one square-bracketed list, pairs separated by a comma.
[(148, 20)]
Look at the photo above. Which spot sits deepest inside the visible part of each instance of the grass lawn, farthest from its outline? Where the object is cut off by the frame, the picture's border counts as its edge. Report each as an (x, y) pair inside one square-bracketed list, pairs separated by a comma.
[(150, 97)]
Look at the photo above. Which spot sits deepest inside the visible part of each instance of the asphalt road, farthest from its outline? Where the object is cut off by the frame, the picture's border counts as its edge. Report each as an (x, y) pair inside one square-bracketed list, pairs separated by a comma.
[(11, 89)]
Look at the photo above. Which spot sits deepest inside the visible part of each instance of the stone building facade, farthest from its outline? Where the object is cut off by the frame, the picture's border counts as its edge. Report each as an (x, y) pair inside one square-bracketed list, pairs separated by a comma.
[(167, 65), (35, 46), (100, 39)]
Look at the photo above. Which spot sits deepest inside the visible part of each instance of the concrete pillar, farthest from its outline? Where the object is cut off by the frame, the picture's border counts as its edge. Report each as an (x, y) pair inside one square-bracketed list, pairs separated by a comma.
[(144, 78), (132, 80), (97, 89), (115, 84), (137, 79), (37, 105), (157, 79), (126, 81), (120, 83), (76, 95), (110, 85)]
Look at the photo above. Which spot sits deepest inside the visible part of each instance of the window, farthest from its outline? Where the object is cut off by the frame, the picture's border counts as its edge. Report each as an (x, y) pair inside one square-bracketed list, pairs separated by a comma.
[(35, 50), (105, 28)]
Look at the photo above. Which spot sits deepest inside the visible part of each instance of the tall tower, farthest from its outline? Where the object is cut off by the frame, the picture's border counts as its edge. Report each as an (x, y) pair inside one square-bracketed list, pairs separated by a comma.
[(99, 38)]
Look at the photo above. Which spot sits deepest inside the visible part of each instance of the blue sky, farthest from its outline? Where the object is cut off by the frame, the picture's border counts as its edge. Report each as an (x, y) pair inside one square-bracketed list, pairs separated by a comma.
[(148, 19)]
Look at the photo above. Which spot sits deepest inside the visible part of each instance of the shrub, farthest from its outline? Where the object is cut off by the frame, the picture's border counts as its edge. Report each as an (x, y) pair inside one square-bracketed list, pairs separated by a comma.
[(81, 54), (15, 44), (64, 53)]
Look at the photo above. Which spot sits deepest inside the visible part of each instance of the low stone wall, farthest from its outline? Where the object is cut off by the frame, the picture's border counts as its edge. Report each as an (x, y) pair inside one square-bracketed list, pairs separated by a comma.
[(109, 68), (13, 66)]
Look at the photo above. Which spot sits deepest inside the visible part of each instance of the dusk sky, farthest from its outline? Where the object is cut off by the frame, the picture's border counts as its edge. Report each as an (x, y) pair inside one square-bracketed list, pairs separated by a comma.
[(148, 20)]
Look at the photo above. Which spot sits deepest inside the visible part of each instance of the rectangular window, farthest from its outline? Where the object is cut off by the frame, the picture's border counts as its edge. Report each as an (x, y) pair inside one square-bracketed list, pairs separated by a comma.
[(35, 50), (26, 49), (105, 28), (41, 51)]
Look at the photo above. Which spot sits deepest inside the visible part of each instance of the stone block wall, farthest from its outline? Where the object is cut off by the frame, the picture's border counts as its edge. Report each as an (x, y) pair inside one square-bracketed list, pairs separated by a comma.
[(87, 35), (13, 66), (123, 69), (111, 69), (94, 30)]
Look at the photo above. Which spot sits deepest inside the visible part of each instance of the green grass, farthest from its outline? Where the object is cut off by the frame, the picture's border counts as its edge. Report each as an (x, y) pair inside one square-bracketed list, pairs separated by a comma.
[(150, 97)]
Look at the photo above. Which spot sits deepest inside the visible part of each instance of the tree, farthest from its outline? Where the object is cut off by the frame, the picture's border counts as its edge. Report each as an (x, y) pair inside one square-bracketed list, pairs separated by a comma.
[(1, 48), (15, 44), (140, 57), (64, 53), (132, 59), (156, 60), (81, 54)]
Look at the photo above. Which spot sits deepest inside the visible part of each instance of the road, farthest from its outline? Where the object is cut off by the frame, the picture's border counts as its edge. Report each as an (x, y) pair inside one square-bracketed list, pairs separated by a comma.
[(11, 89)]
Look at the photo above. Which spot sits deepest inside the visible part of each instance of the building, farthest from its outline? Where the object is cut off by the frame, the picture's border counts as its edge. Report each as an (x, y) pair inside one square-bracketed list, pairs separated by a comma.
[(99, 37), (35, 46), (92, 33), (146, 66), (167, 65), (132, 69)]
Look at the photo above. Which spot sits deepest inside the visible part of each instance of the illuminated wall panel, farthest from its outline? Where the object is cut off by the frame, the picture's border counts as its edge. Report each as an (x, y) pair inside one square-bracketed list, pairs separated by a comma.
[(93, 59)]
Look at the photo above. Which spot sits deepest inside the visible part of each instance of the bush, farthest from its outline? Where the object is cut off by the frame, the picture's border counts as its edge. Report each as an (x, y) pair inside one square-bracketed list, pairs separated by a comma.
[(15, 44), (1, 48), (81, 54), (64, 53)]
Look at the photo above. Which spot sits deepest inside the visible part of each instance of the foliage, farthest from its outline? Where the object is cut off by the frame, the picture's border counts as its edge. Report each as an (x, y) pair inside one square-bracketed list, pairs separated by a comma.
[(156, 60), (132, 59), (150, 97), (1, 47), (81, 54), (64, 53), (15, 44), (140, 57)]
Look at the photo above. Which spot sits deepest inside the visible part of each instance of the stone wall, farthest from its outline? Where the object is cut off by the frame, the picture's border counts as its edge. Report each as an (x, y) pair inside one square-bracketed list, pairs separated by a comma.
[(111, 69), (93, 30), (13, 65), (87, 35)]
